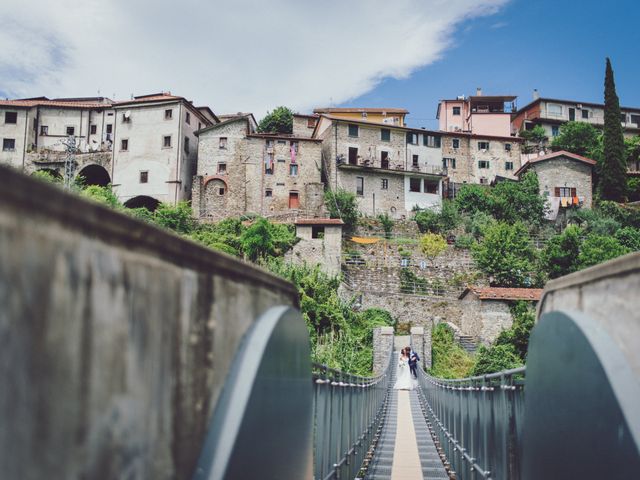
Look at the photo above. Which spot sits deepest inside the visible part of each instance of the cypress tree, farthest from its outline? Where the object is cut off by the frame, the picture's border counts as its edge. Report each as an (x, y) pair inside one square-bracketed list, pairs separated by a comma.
[(613, 170)]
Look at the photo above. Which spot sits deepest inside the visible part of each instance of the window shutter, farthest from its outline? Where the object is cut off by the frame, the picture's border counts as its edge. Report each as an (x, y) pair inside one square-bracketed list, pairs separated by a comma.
[(556, 192), (436, 142), (573, 192)]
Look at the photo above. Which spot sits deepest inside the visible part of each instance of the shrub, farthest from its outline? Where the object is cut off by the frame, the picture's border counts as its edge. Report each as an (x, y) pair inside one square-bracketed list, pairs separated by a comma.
[(178, 218), (428, 221), (473, 198), (464, 242), (599, 248), (342, 204), (629, 237), (102, 195), (478, 223), (448, 359), (387, 224), (495, 359), (560, 255), (432, 245)]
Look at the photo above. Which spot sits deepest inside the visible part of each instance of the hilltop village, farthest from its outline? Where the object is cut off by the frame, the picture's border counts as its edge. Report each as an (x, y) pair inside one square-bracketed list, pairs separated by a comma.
[(402, 218)]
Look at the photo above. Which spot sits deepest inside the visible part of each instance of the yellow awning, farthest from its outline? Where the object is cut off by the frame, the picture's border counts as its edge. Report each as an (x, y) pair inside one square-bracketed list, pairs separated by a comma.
[(365, 240)]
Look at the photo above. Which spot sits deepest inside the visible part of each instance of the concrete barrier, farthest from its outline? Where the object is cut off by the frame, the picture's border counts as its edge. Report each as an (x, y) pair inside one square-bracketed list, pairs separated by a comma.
[(115, 337)]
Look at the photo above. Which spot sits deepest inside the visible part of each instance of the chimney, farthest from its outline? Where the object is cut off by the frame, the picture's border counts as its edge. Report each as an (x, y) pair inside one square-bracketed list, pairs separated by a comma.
[(479, 92), (536, 94)]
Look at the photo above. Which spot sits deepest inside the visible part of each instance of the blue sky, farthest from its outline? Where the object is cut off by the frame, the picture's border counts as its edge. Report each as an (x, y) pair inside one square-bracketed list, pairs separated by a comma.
[(549, 45)]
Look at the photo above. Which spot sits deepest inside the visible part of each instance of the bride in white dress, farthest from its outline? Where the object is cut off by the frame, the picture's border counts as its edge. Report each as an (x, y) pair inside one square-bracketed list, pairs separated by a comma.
[(404, 380)]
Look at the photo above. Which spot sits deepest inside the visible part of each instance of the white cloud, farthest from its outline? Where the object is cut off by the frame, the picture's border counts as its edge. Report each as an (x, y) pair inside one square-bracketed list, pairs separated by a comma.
[(236, 55)]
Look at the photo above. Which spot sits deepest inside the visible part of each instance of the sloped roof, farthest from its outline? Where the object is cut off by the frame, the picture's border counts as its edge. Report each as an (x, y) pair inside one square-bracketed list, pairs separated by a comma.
[(499, 293), (58, 103), (360, 110), (319, 221), (551, 156)]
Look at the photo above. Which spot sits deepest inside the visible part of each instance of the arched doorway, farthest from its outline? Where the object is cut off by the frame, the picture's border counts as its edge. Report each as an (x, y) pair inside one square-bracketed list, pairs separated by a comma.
[(95, 175), (142, 201), (215, 197)]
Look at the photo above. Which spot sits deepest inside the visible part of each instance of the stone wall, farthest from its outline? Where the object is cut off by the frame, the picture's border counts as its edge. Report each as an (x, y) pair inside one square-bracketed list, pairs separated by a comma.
[(323, 251), (117, 338), (484, 319), (565, 172), (382, 348)]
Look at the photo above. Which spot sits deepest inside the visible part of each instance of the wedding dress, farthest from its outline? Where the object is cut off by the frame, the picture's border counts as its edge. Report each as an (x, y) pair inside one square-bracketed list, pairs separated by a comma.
[(404, 380)]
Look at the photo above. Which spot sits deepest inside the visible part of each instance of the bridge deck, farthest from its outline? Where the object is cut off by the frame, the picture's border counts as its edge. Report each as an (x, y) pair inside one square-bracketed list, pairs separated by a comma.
[(405, 450)]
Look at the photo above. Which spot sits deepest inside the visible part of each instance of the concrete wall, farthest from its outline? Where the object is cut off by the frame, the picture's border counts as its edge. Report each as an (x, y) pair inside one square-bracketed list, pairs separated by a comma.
[(116, 338), (608, 293), (19, 132)]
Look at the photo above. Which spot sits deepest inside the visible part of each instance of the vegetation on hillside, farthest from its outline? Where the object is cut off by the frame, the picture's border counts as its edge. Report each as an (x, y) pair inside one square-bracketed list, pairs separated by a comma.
[(342, 204)]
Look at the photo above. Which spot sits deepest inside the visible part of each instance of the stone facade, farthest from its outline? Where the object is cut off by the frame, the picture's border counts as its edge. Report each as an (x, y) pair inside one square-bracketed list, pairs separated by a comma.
[(562, 171), (303, 125), (484, 319), (382, 348), (320, 244), (269, 175)]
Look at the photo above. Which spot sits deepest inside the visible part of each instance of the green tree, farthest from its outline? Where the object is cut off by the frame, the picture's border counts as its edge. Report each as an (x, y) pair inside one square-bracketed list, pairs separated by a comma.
[(519, 201), (473, 198), (178, 218), (432, 245), (613, 168), (599, 248), (102, 195), (506, 255), (629, 237), (560, 255), (524, 319), (342, 204), (495, 359), (580, 138), (257, 241), (448, 359), (533, 139), (280, 120)]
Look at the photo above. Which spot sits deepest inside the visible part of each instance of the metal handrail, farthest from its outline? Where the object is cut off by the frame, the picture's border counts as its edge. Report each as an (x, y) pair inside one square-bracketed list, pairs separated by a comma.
[(348, 410), (478, 421)]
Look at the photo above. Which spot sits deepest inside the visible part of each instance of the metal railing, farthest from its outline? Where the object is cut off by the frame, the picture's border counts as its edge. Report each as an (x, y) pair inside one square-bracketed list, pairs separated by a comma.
[(347, 412), (478, 422)]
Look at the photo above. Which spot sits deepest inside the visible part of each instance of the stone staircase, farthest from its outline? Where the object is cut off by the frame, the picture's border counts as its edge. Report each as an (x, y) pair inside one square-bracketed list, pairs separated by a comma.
[(468, 342)]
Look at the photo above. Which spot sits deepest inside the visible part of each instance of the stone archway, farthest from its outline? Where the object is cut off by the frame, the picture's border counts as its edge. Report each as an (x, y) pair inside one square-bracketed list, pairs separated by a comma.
[(142, 201), (215, 197), (95, 175)]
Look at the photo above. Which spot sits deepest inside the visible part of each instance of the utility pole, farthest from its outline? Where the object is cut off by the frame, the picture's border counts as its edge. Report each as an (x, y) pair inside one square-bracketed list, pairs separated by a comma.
[(69, 161)]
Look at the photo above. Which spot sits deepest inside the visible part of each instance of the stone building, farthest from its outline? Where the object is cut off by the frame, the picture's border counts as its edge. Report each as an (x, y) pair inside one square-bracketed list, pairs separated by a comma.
[(485, 310), (34, 132), (386, 116), (387, 166), (155, 151), (145, 147), (304, 125), (566, 180), (320, 243), (240, 171)]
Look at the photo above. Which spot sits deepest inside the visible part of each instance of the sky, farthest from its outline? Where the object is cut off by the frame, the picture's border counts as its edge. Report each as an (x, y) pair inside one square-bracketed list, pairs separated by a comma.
[(253, 55)]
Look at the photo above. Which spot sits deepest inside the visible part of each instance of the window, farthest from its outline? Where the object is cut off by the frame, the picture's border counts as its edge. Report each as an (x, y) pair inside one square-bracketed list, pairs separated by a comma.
[(554, 110), (555, 130), (414, 184), (360, 186), (508, 165), (483, 145), (431, 141), (222, 143), (507, 147), (385, 135), (187, 118), (199, 125), (483, 164), (449, 162), (623, 118), (109, 128), (412, 138), (124, 145), (268, 192), (282, 142), (311, 122), (456, 110), (385, 184), (268, 164), (222, 168), (71, 131), (166, 141), (414, 161), (293, 170), (353, 130), (93, 129), (353, 155), (44, 130), (484, 180), (186, 144), (404, 262), (317, 231), (572, 114), (635, 119), (565, 192), (455, 143), (221, 191), (431, 186), (144, 176), (10, 117), (585, 114), (8, 144), (384, 160), (168, 114)]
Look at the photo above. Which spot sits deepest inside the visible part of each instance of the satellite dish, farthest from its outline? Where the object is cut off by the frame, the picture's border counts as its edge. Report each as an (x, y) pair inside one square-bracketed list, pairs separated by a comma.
[(127, 114)]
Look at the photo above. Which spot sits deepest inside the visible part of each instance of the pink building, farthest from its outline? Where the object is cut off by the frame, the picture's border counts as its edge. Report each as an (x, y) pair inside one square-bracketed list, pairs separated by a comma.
[(479, 114)]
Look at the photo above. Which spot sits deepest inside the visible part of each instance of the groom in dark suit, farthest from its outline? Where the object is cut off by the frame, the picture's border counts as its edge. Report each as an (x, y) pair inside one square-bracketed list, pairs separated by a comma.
[(413, 363)]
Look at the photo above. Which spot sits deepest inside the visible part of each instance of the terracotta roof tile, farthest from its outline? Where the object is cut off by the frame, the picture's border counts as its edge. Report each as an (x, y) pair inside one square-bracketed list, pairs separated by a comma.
[(359, 110), (53, 103), (319, 221), (551, 156), (499, 293)]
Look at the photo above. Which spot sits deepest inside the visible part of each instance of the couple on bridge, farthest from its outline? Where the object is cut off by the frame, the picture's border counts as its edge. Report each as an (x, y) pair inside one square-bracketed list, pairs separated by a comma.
[(407, 372)]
